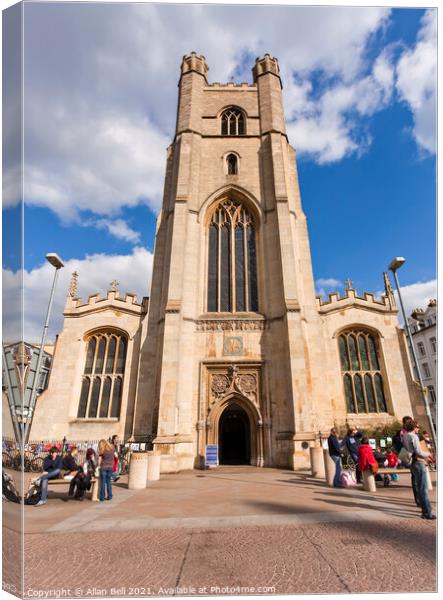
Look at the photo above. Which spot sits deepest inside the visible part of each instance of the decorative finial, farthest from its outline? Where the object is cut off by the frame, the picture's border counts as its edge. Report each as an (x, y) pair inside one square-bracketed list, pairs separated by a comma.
[(73, 285), (349, 283), (389, 292), (387, 282), (114, 285)]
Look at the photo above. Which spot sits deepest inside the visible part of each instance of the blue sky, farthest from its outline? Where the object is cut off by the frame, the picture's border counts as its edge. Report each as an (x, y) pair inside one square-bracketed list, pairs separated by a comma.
[(100, 101)]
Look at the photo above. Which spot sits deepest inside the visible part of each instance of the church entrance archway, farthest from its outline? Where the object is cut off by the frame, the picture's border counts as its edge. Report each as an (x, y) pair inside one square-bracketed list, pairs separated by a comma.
[(234, 436)]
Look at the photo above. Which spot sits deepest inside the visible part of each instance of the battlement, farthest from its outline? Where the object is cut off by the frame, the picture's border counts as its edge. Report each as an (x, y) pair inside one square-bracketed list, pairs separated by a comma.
[(352, 299), (193, 62), (128, 303), (231, 84), (267, 64)]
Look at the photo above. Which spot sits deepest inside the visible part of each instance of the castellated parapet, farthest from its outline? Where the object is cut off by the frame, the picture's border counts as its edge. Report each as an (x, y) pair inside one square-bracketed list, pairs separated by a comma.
[(128, 303), (264, 65), (193, 62), (352, 300)]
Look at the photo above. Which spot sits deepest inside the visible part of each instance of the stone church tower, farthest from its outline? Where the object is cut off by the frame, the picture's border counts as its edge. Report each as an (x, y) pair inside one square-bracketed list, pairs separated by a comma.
[(236, 350), (233, 348)]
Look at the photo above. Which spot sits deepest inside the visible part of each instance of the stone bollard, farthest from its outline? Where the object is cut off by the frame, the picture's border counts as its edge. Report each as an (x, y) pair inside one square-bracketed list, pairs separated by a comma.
[(138, 470), (317, 462), (153, 473), (369, 481), (329, 467)]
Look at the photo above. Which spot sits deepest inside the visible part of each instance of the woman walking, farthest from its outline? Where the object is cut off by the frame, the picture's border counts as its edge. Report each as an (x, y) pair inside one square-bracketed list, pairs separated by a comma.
[(106, 455)]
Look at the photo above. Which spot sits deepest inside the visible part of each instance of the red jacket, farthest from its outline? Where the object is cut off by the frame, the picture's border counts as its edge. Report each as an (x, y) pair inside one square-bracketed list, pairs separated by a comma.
[(392, 459), (365, 457)]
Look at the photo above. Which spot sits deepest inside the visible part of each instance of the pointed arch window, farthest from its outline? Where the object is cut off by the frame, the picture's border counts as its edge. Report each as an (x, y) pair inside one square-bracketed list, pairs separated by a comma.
[(233, 122), (102, 382), (232, 263), (359, 353), (232, 164)]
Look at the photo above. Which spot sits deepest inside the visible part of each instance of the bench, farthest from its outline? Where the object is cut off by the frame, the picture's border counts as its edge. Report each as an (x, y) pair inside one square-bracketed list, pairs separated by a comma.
[(369, 477), (94, 486)]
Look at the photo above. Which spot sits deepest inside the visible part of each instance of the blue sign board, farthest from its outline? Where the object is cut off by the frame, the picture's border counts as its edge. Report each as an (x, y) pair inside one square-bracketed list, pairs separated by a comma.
[(211, 459)]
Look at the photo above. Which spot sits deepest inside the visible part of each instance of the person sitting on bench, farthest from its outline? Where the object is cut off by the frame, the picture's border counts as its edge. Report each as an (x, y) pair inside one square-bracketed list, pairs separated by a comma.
[(72, 471), (52, 466)]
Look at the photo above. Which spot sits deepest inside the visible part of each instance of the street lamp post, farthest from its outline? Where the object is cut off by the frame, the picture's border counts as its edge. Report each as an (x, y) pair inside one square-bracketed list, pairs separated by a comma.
[(395, 264), (57, 263)]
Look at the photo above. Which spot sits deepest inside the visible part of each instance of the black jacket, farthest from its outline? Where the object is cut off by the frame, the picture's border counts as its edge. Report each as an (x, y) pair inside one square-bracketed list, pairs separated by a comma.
[(52, 465), (335, 448), (69, 463)]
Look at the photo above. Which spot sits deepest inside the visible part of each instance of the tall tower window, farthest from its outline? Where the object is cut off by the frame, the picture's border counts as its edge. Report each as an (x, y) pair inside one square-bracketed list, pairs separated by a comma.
[(362, 379), (233, 122), (102, 381), (232, 262), (232, 164)]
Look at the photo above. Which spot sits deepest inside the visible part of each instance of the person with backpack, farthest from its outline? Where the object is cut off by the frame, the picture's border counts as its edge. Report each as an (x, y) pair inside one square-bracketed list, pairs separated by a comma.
[(418, 467), (335, 452), (366, 458), (52, 466)]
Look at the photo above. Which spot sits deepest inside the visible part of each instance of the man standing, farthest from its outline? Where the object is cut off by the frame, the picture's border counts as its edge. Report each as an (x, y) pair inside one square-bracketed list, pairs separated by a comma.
[(52, 466), (418, 468), (335, 452)]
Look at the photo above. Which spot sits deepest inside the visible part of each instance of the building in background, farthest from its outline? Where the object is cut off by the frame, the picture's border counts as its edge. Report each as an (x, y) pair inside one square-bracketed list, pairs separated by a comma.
[(423, 325)]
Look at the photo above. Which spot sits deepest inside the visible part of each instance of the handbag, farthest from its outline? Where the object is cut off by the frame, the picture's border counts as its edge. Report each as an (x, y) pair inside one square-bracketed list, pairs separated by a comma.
[(405, 456), (374, 468)]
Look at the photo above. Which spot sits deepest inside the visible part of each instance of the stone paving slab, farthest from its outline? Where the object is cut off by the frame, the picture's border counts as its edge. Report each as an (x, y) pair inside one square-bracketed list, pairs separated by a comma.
[(232, 531), (320, 558)]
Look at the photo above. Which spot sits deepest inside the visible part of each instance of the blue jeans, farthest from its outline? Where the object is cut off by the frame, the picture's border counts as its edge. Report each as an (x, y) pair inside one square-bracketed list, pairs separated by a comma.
[(105, 482), (44, 482), (337, 461), (418, 470)]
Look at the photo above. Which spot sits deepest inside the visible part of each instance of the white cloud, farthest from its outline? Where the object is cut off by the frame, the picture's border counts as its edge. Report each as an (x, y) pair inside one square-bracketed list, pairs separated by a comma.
[(417, 81), (417, 295), (327, 285), (133, 271), (330, 128), (101, 93), (118, 228)]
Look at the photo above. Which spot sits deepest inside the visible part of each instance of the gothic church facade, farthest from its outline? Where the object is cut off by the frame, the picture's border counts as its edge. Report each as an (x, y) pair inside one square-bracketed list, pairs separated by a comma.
[(233, 347)]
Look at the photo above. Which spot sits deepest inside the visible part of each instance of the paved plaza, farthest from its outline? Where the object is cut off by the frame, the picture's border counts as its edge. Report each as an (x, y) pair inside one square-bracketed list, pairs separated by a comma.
[(234, 530)]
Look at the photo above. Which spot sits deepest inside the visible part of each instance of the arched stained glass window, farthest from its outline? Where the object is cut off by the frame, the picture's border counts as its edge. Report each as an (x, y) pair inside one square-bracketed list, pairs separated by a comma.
[(232, 260), (360, 366), (359, 393), (381, 402), (353, 353), (370, 393), (233, 122), (343, 349), (373, 353), (349, 394), (102, 382)]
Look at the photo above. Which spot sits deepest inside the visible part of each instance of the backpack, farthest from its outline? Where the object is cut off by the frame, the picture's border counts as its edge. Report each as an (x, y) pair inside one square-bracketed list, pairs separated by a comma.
[(405, 457), (396, 442), (34, 495), (8, 489)]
